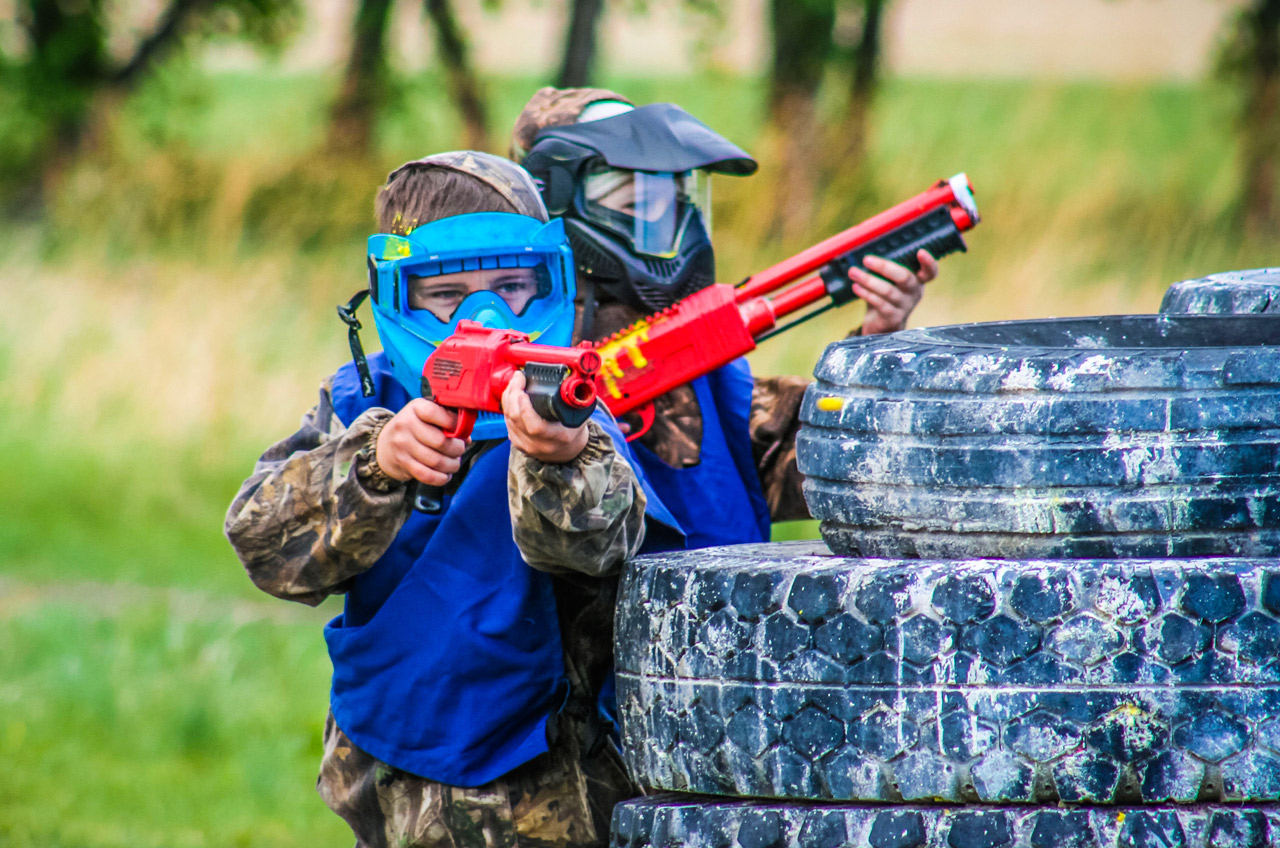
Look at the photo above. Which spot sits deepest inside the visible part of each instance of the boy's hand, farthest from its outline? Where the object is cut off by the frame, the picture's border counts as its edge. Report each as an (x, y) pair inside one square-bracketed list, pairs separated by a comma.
[(412, 445), (891, 292), (548, 441)]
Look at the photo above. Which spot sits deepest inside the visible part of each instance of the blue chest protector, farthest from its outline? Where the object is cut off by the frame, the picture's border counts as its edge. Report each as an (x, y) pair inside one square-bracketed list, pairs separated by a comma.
[(719, 501), (447, 658)]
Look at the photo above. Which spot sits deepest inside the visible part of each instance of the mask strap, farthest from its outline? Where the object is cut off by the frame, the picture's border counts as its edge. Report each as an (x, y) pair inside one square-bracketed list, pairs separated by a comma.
[(348, 315), (588, 309)]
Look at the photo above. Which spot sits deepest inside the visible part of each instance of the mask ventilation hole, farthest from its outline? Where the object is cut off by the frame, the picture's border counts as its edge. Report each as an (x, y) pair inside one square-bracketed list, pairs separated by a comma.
[(661, 267)]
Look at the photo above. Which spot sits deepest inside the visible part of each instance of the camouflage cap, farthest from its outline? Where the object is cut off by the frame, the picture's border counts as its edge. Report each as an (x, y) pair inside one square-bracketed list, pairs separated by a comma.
[(502, 175), (554, 107)]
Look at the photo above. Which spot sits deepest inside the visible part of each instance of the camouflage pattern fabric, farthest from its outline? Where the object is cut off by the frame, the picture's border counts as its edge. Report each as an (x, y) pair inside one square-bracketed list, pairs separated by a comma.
[(561, 799), (509, 180), (773, 424), (553, 107), (318, 510), (565, 517)]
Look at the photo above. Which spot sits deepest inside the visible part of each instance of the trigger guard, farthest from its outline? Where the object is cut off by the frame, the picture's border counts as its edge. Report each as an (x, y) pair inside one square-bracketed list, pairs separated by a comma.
[(466, 422), (647, 414)]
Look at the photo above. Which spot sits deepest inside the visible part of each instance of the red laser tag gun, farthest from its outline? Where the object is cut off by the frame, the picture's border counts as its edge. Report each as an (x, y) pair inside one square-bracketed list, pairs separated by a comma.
[(469, 371), (720, 323)]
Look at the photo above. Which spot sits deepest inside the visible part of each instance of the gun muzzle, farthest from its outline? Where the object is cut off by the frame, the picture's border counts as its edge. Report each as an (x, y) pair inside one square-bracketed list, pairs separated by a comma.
[(559, 394)]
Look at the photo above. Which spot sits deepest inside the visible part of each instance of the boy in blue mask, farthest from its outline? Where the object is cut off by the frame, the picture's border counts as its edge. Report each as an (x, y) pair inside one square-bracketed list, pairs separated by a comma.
[(461, 711)]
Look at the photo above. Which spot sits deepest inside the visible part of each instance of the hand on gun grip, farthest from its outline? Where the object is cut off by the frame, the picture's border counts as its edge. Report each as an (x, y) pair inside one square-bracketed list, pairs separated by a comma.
[(548, 441), (413, 444), (891, 291)]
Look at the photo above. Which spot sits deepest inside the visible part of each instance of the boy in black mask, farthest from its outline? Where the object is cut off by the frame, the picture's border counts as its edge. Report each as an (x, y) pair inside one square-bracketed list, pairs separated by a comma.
[(632, 186)]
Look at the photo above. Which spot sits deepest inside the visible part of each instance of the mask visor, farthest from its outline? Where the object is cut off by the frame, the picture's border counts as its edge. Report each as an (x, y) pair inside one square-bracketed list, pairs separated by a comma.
[(645, 208), (437, 289)]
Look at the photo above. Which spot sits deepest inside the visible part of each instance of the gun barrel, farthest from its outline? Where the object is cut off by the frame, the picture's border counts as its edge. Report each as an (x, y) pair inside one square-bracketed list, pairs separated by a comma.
[(955, 192), (580, 359)]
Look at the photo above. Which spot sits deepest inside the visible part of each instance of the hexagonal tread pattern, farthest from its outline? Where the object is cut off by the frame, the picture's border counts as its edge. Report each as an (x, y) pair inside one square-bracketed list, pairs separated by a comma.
[(667, 821), (783, 671)]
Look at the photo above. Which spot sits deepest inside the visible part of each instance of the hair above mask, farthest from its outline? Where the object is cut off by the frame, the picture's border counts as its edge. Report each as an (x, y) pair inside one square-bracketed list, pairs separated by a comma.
[(459, 182)]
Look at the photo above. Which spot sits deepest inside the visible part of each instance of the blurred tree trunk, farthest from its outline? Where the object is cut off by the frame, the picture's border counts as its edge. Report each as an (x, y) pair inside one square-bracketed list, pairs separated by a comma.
[(68, 65), (802, 38), (580, 43), (866, 79), (70, 84), (464, 85), (353, 116), (1260, 35)]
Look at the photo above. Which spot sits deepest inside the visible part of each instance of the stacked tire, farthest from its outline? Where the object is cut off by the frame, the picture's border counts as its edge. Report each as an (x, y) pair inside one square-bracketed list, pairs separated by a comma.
[(1048, 612), (1231, 292)]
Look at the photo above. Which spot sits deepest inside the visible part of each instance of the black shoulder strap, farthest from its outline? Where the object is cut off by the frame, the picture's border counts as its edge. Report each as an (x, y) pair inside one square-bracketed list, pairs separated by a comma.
[(347, 312)]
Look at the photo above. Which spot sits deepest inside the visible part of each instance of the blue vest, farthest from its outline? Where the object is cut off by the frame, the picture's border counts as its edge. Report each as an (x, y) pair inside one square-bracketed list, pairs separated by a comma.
[(719, 501), (447, 658)]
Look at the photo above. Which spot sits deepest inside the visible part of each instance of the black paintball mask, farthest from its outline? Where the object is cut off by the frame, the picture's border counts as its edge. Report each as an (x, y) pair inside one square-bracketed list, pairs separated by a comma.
[(634, 193)]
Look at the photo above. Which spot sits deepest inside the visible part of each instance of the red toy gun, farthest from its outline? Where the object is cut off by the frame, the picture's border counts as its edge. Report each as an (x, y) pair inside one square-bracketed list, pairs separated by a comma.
[(469, 371), (720, 323)]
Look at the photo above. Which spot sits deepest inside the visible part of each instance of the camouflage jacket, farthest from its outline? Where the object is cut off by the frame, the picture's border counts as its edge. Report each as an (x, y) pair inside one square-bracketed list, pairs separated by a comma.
[(318, 510)]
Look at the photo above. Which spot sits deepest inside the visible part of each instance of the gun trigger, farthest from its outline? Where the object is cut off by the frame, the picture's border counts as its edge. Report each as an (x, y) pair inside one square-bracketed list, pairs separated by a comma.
[(466, 422), (646, 414)]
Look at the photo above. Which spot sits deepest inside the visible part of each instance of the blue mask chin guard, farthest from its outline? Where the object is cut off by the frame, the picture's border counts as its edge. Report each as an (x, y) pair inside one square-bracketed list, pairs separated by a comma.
[(478, 241)]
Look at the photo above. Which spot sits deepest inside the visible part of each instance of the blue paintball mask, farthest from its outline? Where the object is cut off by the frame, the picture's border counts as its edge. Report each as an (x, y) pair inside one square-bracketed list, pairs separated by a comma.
[(502, 270)]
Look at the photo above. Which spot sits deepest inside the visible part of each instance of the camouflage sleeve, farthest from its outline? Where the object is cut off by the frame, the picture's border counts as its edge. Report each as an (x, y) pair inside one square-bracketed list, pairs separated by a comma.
[(774, 422), (317, 510), (584, 517)]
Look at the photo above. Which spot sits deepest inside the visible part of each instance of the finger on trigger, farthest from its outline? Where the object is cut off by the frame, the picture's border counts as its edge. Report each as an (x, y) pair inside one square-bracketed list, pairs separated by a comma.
[(433, 413)]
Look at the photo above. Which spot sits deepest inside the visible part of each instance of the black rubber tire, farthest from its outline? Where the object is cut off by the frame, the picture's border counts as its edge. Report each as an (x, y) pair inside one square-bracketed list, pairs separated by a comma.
[(673, 821), (1234, 292), (1137, 436), (782, 671)]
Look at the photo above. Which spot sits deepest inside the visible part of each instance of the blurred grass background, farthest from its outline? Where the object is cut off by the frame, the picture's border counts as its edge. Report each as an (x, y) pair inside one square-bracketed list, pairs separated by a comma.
[(173, 314)]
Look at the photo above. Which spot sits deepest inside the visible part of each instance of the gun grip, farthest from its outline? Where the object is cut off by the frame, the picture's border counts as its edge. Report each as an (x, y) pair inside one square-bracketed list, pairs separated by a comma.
[(427, 499), (647, 415)]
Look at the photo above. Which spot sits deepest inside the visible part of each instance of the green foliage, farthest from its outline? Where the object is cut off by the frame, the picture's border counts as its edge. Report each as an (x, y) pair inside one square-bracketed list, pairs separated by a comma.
[(63, 66), (174, 313), (265, 23)]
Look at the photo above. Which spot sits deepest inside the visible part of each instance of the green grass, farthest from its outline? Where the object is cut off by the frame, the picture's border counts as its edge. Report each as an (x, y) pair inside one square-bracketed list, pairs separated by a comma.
[(166, 721), (97, 516), (174, 314)]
